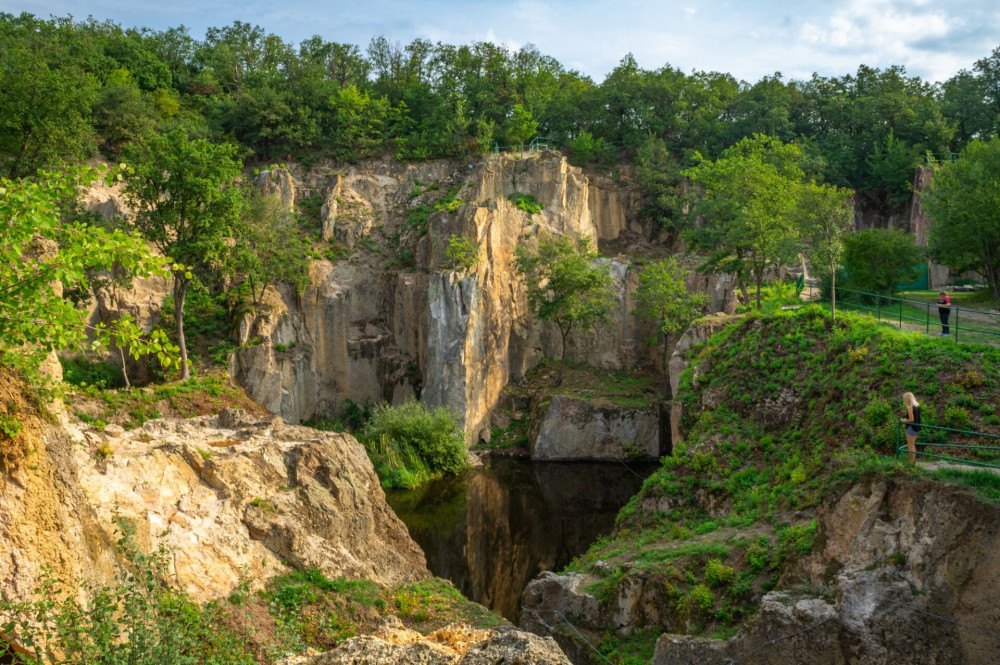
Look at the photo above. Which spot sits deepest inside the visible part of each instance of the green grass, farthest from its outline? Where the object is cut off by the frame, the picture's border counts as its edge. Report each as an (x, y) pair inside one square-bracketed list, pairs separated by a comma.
[(985, 485), (800, 408)]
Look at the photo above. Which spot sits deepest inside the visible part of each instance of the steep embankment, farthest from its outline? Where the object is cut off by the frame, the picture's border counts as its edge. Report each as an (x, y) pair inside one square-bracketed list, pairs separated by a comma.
[(782, 506), (230, 495)]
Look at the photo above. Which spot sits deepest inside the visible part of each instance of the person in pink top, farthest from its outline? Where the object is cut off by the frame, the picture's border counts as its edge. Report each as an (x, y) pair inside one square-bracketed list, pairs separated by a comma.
[(944, 311)]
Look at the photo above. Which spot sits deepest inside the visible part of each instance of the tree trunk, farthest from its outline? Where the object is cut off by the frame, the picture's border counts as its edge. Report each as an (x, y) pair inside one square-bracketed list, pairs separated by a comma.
[(667, 394), (743, 291), (757, 280), (833, 297), (180, 291), (121, 354), (562, 360)]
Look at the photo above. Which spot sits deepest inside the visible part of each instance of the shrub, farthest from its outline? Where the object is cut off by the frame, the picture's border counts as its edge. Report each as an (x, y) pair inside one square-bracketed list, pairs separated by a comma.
[(526, 202), (464, 253), (718, 573), (957, 418), (85, 372), (409, 443), (700, 597)]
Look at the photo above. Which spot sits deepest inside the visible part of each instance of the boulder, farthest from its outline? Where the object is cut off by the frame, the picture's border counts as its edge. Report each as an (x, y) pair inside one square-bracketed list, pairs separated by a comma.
[(392, 644), (573, 428), (277, 182), (236, 496)]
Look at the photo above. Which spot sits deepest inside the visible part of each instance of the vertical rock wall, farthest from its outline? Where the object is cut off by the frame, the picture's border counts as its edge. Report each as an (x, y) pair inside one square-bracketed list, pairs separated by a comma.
[(449, 337)]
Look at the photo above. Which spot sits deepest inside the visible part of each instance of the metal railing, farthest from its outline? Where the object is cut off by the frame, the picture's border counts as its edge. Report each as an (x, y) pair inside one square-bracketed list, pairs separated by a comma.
[(970, 325), (901, 448)]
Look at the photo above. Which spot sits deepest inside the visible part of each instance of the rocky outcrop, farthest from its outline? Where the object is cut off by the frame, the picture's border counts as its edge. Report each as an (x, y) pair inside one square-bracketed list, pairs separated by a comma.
[(277, 182), (452, 338), (234, 496), (46, 521), (696, 334), (903, 573), (393, 644), (572, 428)]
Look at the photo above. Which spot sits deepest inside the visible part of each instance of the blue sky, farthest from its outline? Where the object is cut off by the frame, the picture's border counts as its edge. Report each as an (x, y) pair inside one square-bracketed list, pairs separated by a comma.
[(749, 39)]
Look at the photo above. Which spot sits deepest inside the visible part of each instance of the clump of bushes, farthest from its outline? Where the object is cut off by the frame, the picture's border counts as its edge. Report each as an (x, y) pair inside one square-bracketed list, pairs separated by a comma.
[(142, 619), (410, 444)]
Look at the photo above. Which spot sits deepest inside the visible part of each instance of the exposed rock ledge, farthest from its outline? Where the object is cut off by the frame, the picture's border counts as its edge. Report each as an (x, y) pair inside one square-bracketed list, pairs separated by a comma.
[(573, 428), (232, 493), (455, 645)]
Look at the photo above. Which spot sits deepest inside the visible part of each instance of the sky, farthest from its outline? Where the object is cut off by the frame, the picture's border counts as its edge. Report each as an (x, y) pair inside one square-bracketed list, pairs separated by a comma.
[(749, 39)]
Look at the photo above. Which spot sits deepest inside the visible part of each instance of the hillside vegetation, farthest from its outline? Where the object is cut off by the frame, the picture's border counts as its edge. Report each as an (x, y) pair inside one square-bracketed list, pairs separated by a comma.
[(781, 412)]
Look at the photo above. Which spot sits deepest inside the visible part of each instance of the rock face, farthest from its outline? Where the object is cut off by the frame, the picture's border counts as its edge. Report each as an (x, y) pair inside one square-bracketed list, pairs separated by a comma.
[(447, 337), (234, 495), (45, 518), (455, 645), (693, 336), (572, 428), (904, 573)]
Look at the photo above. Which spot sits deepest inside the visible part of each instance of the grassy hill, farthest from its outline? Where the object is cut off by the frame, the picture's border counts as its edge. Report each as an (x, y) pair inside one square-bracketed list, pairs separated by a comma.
[(781, 411)]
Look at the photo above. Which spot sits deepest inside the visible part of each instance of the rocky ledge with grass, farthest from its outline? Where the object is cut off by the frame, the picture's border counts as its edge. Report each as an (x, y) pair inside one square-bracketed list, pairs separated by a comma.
[(783, 529), (238, 496)]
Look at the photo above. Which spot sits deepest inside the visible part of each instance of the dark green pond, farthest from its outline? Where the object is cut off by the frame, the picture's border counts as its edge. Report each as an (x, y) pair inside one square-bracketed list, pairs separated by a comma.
[(491, 530)]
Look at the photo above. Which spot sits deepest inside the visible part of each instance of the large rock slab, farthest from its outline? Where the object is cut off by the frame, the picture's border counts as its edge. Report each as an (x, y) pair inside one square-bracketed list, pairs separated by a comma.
[(572, 428), (232, 495), (455, 645)]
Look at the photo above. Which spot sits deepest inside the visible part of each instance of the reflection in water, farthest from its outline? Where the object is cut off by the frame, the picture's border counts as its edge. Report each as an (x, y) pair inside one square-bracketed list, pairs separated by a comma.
[(492, 530)]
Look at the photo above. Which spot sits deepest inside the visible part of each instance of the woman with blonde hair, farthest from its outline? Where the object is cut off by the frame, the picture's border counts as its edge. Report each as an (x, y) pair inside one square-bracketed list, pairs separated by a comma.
[(912, 424)]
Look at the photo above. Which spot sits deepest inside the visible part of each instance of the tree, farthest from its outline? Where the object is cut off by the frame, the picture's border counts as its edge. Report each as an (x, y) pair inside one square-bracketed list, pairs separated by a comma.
[(185, 204), (567, 285), (663, 297), (44, 113), (43, 255), (747, 209), (963, 200), (267, 246), (658, 178), (878, 259), (826, 218)]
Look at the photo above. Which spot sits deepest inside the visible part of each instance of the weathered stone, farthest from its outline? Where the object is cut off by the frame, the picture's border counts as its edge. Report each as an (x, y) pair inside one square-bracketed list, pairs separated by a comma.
[(455, 645), (573, 428), (254, 498), (277, 182)]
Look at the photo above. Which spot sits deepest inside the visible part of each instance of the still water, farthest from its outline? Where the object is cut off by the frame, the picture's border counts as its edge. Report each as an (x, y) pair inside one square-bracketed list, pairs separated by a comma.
[(491, 530)]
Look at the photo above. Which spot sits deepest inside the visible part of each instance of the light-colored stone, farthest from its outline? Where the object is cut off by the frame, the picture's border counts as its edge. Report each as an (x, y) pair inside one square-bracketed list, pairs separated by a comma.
[(234, 496), (454, 645), (572, 428), (277, 182)]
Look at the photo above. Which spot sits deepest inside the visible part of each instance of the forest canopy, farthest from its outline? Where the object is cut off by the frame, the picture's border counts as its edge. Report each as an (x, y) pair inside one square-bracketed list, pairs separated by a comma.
[(70, 88)]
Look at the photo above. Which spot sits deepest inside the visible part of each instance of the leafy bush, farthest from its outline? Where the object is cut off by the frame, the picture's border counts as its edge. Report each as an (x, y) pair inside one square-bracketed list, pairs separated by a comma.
[(526, 202), (409, 444), (464, 253), (140, 620), (718, 573), (85, 372), (957, 417)]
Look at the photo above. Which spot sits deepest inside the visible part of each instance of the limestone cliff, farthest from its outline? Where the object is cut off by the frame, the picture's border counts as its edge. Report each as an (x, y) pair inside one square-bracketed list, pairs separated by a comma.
[(363, 330), (230, 495)]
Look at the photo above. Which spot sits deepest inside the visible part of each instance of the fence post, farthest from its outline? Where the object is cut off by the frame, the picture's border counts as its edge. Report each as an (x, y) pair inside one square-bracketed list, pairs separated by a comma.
[(956, 324), (899, 426), (927, 331), (900, 313)]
